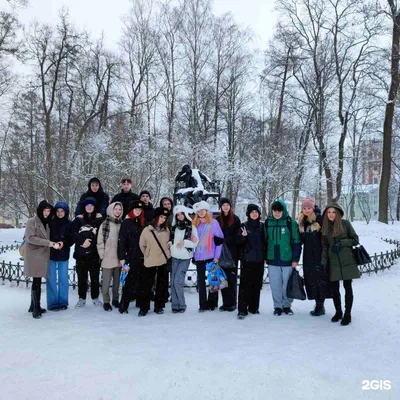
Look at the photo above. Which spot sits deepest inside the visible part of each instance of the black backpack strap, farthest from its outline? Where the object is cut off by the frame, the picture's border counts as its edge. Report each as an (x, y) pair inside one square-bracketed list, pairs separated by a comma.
[(159, 245)]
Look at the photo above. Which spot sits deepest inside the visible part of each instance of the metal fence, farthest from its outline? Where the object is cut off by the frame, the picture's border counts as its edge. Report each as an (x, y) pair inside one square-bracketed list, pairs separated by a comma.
[(14, 272)]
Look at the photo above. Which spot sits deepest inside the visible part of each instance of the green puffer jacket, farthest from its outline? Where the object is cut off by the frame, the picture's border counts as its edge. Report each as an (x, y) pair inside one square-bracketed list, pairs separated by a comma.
[(282, 247), (342, 265)]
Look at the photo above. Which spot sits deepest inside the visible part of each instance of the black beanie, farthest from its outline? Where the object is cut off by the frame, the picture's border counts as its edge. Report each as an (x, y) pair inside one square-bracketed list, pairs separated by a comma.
[(161, 211), (145, 192), (135, 204), (252, 207), (224, 200)]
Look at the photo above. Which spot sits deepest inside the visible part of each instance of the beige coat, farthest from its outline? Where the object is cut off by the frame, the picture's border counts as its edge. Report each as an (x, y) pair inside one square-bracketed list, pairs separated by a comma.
[(153, 256), (108, 252), (37, 251)]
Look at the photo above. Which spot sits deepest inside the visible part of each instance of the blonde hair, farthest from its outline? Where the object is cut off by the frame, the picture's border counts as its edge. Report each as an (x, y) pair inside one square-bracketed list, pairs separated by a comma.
[(208, 219)]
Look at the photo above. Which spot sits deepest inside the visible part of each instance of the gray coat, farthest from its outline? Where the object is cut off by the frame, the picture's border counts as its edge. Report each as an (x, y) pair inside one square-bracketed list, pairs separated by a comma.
[(37, 251)]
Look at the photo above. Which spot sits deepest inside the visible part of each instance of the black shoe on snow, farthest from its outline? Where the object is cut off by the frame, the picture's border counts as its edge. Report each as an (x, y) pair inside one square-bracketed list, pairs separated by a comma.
[(142, 313), (123, 311), (223, 308), (338, 316), (62, 308), (107, 307), (203, 310), (318, 312), (182, 310), (211, 308), (287, 311), (175, 311), (159, 311), (115, 303), (346, 319), (254, 312), (278, 311), (241, 315), (55, 309)]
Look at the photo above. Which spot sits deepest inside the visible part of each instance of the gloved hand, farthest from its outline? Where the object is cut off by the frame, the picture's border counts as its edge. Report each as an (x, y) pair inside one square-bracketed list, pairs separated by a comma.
[(337, 246)]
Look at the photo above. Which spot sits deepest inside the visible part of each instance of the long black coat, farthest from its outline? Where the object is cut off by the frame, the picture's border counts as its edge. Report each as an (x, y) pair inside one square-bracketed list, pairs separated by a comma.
[(128, 241), (253, 245), (315, 275), (232, 236), (125, 199)]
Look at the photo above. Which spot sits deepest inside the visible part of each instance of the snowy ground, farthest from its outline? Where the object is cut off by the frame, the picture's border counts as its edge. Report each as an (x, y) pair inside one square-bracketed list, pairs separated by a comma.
[(91, 354)]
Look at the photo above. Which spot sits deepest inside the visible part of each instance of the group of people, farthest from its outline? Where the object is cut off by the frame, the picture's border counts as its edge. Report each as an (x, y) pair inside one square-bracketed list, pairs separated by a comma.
[(154, 246)]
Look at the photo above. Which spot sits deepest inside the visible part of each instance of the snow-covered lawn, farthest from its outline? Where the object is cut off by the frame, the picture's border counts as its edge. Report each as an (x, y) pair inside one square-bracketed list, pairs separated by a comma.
[(91, 354)]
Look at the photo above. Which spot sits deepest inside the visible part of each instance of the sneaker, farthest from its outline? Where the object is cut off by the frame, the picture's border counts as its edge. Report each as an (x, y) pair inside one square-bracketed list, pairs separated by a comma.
[(175, 311), (62, 308), (115, 303), (107, 307), (182, 310), (278, 311), (241, 315), (223, 308), (254, 312), (123, 311), (159, 311), (201, 310), (287, 311), (81, 303), (142, 313), (97, 302), (55, 309)]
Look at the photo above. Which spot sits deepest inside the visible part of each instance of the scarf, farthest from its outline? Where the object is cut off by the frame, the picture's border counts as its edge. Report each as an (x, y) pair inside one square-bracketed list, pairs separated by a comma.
[(182, 225), (205, 240), (106, 226), (308, 224)]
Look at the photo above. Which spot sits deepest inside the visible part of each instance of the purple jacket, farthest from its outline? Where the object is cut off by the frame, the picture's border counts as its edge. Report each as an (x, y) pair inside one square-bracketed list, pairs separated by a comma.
[(203, 250)]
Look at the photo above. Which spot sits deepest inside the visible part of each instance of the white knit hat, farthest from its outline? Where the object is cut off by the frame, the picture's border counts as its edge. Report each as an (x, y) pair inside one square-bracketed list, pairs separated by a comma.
[(180, 209), (201, 205)]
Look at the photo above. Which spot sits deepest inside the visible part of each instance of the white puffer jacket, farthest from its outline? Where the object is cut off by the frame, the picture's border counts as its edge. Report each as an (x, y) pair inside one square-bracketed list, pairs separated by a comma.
[(183, 253)]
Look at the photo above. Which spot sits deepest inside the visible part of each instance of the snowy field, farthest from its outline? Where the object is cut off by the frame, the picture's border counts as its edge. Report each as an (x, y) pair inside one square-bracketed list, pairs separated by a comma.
[(91, 354)]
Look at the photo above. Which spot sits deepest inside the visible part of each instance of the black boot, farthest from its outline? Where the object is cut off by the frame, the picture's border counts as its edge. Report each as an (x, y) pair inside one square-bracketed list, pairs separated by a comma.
[(124, 305), (41, 310), (35, 296), (338, 306), (348, 301), (319, 308)]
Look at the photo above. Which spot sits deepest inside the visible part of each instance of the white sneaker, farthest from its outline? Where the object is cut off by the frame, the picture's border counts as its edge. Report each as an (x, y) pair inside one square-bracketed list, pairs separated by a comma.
[(97, 302), (80, 303)]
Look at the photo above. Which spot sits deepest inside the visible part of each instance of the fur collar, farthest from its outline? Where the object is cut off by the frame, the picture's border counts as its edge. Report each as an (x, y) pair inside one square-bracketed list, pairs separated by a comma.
[(312, 224)]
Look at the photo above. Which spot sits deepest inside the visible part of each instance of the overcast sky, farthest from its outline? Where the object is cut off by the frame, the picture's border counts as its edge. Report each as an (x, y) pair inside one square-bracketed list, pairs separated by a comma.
[(105, 15)]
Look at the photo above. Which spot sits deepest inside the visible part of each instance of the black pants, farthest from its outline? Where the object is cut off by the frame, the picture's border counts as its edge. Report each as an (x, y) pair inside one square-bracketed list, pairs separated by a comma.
[(251, 278), (348, 289), (130, 291), (83, 267), (229, 294), (212, 301), (146, 283)]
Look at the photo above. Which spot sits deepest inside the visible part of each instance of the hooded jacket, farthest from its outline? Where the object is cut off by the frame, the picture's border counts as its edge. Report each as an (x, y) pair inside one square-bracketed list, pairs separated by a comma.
[(101, 197), (108, 251), (283, 245), (37, 236), (60, 232)]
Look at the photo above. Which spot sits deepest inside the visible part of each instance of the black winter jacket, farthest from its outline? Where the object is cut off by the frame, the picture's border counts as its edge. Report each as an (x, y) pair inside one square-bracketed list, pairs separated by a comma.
[(253, 244), (232, 236), (60, 231), (125, 199), (128, 241)]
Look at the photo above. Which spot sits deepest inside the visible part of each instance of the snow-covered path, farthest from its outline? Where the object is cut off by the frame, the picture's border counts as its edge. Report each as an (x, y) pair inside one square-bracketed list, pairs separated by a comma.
[(91, 354)]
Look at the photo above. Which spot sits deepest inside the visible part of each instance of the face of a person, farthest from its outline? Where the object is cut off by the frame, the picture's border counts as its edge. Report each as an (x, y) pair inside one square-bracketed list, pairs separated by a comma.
[(89, 208), (307, 211), (46, 212), (331, 214), (277, 214), (126, 186), (145, 198), (94, 186), (180, 216), (225, 208), (137, 211), (60, 213), (167, 204), (161, 220), (202, 213), (117, 211), (254, 214)]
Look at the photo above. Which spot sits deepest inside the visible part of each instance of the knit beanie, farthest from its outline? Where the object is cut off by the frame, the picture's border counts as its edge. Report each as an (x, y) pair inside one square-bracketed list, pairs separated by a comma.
[(252, 207), (145, 192), (224, 200), (308, 203)]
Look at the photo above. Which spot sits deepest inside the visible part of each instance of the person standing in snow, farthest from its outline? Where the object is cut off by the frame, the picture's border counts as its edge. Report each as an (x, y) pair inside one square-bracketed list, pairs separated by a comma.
[(251, 262), (230, 226), (84, 232), (208, 249), (125, 196), (338, 239), (315, 275), (95, 191), (148, 208), (130, 254), (107, 245), (283, 250), (154, 243), (37, 253), (57, 283), (184, 240)]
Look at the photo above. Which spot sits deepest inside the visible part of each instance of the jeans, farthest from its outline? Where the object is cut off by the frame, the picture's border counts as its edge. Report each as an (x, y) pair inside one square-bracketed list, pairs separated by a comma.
[(278, 280), (57, 285)]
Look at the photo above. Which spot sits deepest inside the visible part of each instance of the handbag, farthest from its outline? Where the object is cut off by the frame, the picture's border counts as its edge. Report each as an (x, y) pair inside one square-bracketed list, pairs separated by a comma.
[(361, 255), (295, 286), (22, 248), (226, 259), (159, 245)]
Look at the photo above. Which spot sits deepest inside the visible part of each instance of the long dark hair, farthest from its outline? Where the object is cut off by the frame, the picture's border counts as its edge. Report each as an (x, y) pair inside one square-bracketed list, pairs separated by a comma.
[(163, 226), (335, 227), (226, 220)]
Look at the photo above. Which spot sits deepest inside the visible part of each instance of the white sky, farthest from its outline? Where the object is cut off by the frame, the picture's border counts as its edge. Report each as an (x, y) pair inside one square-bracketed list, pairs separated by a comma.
[(105, 15)]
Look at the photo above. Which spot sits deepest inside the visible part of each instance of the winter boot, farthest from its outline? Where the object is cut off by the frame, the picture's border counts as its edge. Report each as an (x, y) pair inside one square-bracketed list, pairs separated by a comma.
[(278, 311), (241, 315), (123, 305), (319, 309), (348, 300), (115, 303), (338, 307), (36, 304), (107, 307)]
